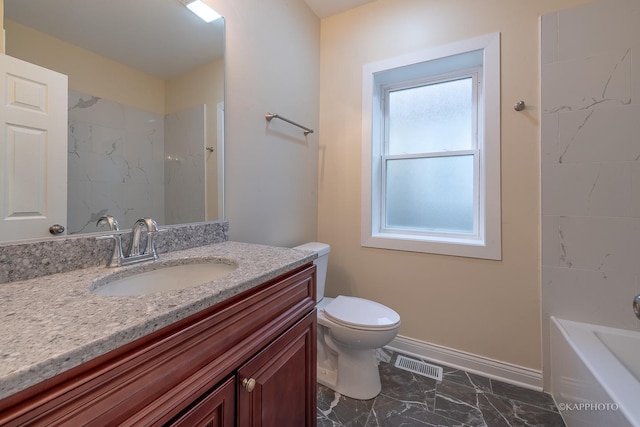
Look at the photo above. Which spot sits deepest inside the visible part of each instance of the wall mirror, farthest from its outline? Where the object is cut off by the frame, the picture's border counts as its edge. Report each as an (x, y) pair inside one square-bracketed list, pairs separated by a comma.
[(146, 105)]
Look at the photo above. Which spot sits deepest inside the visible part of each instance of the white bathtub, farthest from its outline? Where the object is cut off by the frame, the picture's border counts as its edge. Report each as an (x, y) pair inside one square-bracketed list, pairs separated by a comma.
[(595, 374)]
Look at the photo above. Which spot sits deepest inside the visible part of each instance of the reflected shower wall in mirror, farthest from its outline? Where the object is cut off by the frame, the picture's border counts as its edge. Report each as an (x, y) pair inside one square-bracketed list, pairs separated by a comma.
[(127, 162), (137, 133)]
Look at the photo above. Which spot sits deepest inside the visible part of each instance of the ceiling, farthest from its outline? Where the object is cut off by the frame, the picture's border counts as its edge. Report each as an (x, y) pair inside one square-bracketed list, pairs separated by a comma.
[(324, 8), (166, 42), (160, 37)]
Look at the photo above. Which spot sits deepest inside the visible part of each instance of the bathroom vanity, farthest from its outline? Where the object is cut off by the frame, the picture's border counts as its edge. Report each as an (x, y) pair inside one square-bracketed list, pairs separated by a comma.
[(238, 351)]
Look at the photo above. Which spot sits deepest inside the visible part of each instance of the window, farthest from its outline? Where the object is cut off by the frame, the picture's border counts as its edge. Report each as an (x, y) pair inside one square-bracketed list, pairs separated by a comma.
[(431, 151)]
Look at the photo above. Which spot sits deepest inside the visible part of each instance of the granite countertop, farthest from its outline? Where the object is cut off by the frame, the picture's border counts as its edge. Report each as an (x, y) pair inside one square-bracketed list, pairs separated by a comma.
[(53, 323)]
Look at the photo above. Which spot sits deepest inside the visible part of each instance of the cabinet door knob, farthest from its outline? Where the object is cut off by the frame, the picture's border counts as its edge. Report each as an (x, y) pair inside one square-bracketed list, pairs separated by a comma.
[(249, 384)]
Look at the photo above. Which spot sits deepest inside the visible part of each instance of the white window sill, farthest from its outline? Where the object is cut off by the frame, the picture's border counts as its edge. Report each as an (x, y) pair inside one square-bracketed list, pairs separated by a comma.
[(470, 248)]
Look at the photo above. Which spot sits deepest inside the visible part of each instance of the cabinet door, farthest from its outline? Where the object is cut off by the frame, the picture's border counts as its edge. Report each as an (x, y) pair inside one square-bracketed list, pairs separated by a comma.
[(215, 410), (277, 387)]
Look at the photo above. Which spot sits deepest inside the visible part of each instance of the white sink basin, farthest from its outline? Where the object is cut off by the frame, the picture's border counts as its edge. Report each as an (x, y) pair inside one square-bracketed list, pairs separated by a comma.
[(163, 278)]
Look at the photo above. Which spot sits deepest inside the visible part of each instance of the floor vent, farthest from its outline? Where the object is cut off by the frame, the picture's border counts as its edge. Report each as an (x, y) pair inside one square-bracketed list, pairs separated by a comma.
[(419, 367)]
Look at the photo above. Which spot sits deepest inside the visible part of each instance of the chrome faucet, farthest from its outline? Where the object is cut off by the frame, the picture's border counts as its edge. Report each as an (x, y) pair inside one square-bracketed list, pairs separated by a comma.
[(134, 249), (116, 254), (110, 221), (134, 255)]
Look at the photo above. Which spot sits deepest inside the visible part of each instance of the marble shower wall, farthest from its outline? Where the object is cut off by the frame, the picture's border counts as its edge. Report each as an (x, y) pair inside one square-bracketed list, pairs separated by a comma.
[(184, 172), (127, 163), (116, 163), (591, 165)]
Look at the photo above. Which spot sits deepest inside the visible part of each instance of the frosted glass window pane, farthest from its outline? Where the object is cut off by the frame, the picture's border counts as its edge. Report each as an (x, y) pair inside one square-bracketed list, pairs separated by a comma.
[(431, 118), (430, 194)]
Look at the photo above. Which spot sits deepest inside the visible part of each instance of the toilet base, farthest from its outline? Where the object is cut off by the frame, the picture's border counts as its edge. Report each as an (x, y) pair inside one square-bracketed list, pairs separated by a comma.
[(356, 375)]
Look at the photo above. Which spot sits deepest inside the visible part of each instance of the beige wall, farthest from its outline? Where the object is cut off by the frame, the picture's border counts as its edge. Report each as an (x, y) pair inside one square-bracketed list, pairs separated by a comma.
[(272, 59), (487, 308), (88, 72)]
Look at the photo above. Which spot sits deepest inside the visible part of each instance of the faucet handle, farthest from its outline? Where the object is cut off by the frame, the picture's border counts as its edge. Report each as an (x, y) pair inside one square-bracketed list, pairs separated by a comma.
[(114, 236), (116, 254)]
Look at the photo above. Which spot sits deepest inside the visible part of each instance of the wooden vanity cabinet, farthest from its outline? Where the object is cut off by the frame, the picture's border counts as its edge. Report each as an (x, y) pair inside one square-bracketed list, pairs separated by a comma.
[(247, 361)]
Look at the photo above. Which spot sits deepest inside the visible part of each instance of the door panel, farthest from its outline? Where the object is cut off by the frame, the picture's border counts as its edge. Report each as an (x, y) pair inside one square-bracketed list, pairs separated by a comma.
[(33, 149), (278, 386), (215, 410)]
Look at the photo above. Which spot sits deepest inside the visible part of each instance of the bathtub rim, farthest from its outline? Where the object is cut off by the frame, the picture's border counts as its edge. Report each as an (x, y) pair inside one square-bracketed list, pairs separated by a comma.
[(616, 380)]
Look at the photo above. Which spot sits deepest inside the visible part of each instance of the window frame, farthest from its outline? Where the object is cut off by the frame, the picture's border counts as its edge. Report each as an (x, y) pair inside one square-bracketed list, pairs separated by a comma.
[(480, 56)]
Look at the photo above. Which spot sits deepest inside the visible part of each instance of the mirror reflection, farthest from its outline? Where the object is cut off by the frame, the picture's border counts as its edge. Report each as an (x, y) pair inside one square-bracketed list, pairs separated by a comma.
[(145, 105)]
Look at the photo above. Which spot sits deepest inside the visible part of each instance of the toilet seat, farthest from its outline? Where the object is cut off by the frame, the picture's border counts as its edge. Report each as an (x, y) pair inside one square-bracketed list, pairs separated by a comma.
[(359, 313)]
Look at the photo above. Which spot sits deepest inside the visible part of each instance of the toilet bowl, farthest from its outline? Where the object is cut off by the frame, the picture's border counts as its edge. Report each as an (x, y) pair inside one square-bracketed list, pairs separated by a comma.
[(349, 331)]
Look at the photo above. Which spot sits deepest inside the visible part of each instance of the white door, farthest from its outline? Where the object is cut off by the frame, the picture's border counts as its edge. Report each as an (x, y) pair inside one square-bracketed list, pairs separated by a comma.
[(33, 149)]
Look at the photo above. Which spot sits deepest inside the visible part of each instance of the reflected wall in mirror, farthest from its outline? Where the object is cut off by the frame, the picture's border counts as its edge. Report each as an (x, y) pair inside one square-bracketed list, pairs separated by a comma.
[(146, 105)]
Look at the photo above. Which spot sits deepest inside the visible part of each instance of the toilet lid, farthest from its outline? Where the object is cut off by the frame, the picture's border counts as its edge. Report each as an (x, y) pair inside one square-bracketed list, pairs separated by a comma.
[(361, 313)]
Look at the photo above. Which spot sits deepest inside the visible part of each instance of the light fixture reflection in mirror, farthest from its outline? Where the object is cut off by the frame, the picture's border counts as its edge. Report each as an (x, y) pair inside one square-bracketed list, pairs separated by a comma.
[(203, 11), (146, 96)]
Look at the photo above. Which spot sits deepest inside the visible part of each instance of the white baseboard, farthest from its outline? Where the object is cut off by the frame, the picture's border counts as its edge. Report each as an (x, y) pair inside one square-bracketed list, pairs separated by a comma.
[(495, 369)]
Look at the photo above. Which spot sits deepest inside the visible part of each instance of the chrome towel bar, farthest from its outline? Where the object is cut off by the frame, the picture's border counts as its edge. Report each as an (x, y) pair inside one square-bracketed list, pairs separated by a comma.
[(271, 116)]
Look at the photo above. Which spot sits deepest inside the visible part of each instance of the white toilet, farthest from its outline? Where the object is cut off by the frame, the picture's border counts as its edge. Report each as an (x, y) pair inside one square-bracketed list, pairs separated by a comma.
[(349, 331)]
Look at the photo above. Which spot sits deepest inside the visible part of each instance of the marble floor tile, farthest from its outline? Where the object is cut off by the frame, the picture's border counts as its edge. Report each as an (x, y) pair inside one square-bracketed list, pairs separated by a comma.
[(406, 386), (461, 399), (510, 391), (460, 403), (467, 379), (335, 410), (391, 412)]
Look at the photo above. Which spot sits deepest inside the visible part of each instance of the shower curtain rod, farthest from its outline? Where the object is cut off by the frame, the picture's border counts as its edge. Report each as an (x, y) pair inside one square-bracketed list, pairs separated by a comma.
[(271, 116)]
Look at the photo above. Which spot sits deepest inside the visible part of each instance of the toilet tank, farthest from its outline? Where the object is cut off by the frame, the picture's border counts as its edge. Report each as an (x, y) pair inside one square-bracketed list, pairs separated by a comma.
[(322, 249)]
